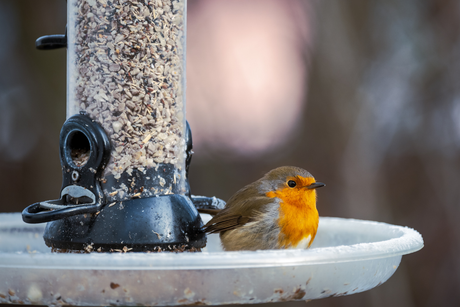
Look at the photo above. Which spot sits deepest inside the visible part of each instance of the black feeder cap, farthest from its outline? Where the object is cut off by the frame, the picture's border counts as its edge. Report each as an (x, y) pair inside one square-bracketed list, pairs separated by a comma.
[(82, 220)]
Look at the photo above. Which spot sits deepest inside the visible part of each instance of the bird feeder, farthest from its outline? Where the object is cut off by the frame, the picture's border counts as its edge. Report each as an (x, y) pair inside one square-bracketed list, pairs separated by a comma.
[(126, 146)]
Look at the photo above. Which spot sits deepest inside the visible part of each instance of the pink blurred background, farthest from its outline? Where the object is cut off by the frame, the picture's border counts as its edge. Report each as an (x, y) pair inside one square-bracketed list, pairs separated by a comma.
[(246, 72)]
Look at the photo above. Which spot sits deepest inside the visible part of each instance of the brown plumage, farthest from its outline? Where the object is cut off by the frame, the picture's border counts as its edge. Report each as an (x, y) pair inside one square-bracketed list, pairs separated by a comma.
[(276, 211)]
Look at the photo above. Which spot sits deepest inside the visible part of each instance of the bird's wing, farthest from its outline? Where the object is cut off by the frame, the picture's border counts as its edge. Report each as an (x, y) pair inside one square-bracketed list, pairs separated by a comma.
[(227, 223), (237, 214)]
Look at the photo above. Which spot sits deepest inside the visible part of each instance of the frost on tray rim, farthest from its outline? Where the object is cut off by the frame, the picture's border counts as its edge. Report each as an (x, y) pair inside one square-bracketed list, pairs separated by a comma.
[(126, 70)]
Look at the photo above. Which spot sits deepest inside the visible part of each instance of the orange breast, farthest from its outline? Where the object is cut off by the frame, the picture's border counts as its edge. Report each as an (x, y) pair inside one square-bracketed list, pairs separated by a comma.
[(298, 214)]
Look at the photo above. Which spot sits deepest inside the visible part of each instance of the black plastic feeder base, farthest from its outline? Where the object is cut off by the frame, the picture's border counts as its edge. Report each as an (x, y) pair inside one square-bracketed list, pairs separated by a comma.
[(160, 223)]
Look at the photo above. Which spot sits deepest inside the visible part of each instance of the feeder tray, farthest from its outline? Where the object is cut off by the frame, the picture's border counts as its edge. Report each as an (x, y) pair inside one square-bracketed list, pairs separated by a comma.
[(348, 256)]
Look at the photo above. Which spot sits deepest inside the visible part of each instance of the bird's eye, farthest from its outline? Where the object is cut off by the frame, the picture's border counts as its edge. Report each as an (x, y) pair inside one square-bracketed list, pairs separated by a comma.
[(291, 183)]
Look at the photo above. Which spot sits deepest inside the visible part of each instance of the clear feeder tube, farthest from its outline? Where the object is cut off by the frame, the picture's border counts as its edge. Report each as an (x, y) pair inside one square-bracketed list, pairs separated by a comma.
[(126, 71)]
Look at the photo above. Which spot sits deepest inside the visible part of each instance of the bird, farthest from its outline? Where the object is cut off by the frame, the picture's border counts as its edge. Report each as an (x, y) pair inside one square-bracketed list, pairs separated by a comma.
[(278, 211)]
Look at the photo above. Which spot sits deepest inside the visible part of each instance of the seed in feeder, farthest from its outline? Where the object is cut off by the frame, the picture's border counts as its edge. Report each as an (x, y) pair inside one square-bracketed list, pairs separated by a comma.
[(119, 57), (34, 294), (89, 248), (158, 235), (114, 67), (124, 250)]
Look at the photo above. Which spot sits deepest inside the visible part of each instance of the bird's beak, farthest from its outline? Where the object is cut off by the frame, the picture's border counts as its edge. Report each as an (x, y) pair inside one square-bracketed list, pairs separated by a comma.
[(315, 185)]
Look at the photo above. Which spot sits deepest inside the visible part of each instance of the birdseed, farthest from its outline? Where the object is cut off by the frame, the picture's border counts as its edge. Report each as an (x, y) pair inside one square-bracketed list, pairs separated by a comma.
[(127, 72)]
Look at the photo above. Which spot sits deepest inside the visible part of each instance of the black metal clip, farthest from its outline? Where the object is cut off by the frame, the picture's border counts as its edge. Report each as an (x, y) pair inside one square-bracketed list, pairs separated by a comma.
[(84, 152)]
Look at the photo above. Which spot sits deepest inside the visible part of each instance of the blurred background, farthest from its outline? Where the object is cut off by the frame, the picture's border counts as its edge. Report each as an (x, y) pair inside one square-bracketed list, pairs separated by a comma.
[(363, 94)]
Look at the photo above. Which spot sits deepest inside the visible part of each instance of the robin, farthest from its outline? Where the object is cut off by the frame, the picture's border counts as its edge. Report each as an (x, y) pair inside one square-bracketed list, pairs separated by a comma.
[(277, 211)]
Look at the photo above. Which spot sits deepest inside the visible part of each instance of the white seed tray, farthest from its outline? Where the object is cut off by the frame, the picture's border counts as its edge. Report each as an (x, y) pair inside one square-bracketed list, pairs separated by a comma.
[(348, 256)]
